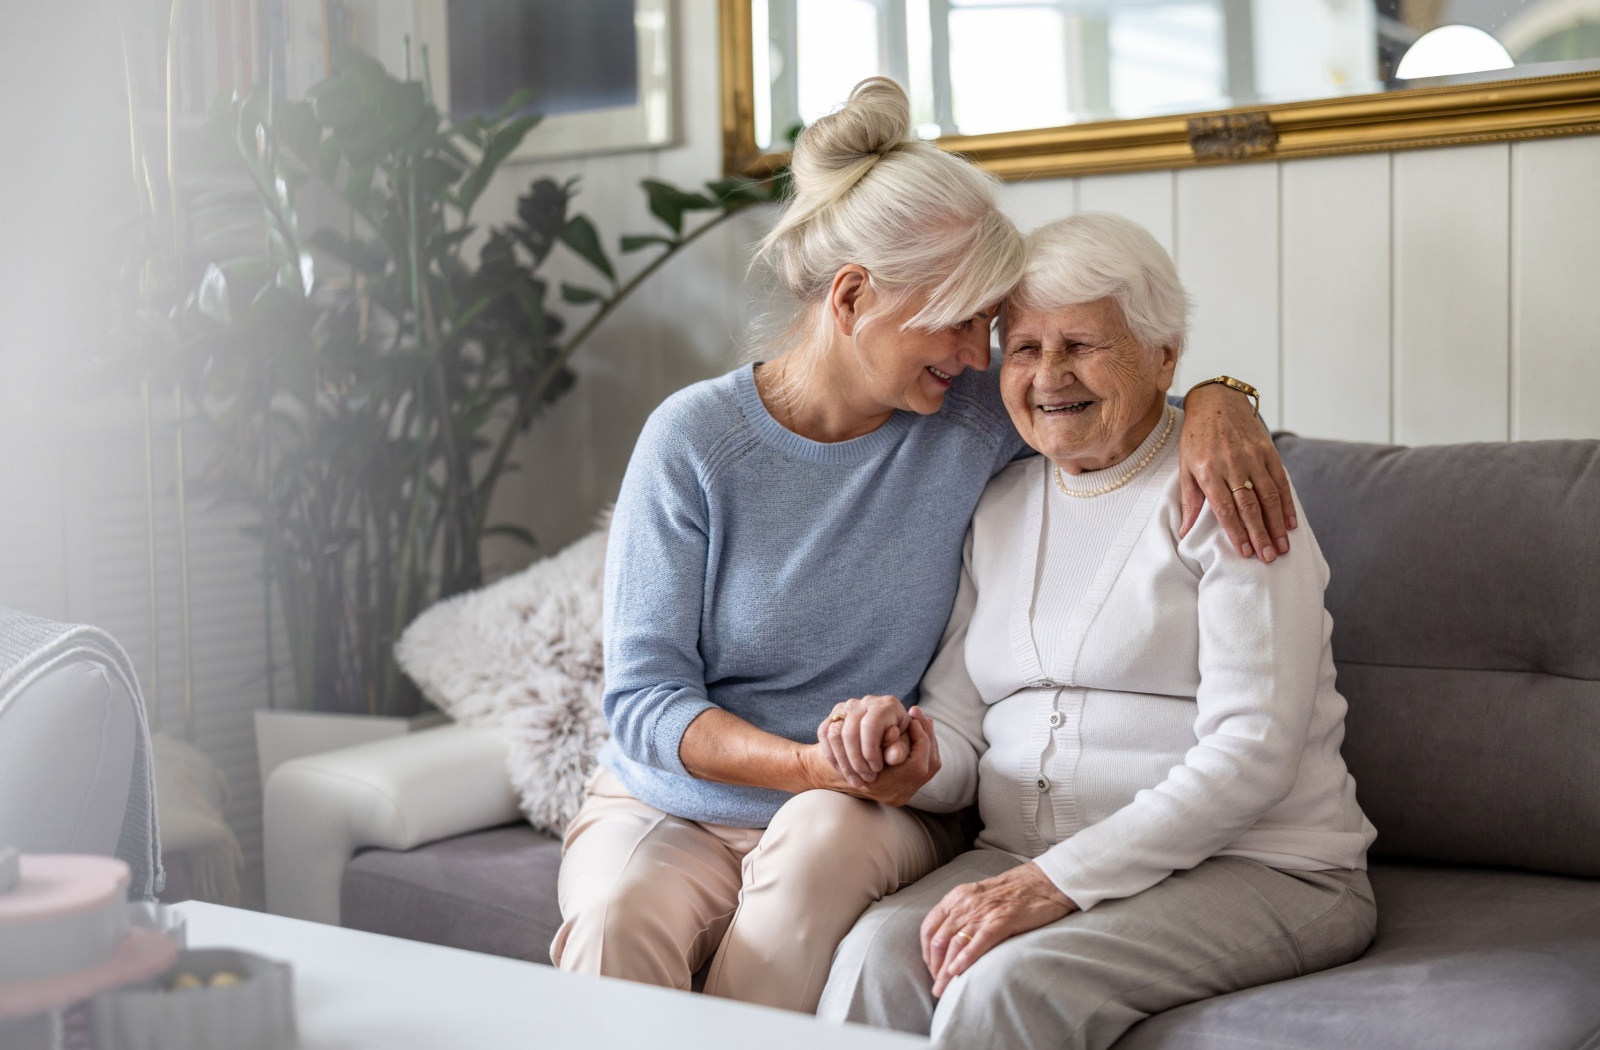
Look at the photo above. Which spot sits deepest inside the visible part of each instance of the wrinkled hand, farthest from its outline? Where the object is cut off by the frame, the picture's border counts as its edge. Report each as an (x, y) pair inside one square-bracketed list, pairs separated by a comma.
[(892, 784), (862, 735), (973, 918), (1223, 445)]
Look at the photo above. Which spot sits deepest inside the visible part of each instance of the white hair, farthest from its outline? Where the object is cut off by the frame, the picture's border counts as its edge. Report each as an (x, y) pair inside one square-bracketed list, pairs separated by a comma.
[(1086, 258), (916, 218)]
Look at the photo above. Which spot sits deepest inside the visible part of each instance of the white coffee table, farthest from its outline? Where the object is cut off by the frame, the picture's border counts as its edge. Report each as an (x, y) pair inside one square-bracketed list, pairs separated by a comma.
[(358, 990)]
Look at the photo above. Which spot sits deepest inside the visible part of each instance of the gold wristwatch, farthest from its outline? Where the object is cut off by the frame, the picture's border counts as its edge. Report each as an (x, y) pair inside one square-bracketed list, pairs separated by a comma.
[(1233, 384)]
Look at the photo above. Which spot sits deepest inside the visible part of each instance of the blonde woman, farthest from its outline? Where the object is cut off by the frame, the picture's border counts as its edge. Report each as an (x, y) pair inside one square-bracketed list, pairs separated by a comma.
[(788, 536)]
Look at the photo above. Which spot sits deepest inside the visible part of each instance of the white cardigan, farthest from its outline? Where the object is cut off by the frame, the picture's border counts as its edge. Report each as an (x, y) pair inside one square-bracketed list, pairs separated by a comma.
[(1187, 708)]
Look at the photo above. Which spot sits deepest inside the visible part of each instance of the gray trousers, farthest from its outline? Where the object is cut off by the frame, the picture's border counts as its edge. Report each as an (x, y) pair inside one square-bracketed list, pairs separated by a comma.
[(1080, 982)]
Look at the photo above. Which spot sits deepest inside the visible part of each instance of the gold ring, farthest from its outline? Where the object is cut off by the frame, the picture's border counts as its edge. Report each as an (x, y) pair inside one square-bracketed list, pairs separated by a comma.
[(963, 934), (1247, 485), (836, 718)]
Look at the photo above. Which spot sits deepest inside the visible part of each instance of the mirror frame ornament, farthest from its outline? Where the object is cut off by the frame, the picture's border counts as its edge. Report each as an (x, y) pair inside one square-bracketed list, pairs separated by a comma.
[(1535, 107)]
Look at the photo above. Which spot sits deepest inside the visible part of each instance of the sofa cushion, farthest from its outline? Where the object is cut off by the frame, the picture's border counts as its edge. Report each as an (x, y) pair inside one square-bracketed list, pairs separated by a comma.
[(1465, 597), (1464, 958), (1464, 556), (490, 891)]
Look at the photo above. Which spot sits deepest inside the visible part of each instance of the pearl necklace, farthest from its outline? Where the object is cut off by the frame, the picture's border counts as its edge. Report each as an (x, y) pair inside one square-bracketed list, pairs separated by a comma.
[(1144, 461)]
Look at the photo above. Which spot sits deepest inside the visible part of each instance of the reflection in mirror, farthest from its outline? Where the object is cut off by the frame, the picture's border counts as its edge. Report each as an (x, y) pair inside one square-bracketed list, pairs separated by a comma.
[(979, 66)]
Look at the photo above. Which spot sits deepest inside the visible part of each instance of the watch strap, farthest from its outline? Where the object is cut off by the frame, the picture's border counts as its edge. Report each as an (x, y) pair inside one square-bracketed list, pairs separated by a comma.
[(1233, 384)]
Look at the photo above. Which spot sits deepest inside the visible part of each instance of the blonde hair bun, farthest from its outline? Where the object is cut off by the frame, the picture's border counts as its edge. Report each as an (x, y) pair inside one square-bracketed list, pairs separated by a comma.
[(917, 219), (838, 150)]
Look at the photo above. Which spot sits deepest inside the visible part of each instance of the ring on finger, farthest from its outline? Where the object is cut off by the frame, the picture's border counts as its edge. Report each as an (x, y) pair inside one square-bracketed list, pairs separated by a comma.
[(961, 935), (836, 718), (1248, 484)]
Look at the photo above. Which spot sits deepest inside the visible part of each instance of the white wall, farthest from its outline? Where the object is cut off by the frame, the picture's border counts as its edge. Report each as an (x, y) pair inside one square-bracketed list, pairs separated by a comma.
[(1426, 296), (1421, 297)]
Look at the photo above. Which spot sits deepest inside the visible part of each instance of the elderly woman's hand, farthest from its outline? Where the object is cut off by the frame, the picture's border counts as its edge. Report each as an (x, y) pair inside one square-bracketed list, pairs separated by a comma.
[(1223, 447), (916, 755), (864, 734), (973, 918)]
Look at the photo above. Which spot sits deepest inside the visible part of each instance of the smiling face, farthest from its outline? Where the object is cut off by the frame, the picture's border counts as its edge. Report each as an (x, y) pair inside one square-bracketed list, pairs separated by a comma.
[(911, 369), (900, 368), (1079, 388)]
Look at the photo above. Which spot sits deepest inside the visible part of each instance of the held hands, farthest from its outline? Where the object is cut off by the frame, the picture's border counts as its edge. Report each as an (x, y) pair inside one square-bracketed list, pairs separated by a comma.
[(973, 918), (873, 748), (1223, 447)]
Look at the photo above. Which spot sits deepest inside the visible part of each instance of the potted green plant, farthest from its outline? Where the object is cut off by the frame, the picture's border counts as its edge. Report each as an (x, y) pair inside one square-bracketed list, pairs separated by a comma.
[(360, 356)]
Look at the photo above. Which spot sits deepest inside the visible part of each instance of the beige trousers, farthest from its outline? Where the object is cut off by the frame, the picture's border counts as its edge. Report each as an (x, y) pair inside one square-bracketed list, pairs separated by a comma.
[(650, 897)]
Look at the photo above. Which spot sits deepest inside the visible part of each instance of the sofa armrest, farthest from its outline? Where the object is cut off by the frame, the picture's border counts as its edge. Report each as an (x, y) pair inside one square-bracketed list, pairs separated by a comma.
[(395, 794)]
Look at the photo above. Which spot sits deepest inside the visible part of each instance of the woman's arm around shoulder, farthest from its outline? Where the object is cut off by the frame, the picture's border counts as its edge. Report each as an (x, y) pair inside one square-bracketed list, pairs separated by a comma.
[(1231, 466)]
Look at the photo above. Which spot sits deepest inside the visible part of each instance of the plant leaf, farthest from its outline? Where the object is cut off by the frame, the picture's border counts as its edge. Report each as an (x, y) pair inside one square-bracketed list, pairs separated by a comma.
[(638, 242), (542, 212), (443, 243), (515, 104), (668, 202), (579, 235), (299, 130), (436, 174), (337, 101), (502, 143), (213, 301), (403, 112), (578, 296)]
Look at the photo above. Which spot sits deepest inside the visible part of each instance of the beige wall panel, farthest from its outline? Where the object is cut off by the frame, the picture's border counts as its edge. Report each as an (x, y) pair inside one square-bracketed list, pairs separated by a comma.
[(1555, 272), (1451, 302), (1145, 197), (1034, 203), (1335, 298), (1227, 232)]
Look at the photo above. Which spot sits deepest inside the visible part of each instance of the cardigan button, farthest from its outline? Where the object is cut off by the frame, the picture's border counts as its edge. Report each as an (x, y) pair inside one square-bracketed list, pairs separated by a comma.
[(1043, 783), (1055, 719)]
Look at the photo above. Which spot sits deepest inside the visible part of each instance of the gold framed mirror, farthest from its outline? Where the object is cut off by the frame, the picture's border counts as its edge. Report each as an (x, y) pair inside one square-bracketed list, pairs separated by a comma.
[(1384, 113)]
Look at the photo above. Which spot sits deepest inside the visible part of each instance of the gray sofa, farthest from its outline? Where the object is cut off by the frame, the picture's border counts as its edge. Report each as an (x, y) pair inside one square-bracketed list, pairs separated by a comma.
[(1466, 607)]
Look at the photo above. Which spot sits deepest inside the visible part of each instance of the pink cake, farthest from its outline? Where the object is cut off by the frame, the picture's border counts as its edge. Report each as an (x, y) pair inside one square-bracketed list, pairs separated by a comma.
[(64, 932)]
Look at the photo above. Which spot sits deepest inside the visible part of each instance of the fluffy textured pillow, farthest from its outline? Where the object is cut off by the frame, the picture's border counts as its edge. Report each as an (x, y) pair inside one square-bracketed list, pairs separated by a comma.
[(523, 655)]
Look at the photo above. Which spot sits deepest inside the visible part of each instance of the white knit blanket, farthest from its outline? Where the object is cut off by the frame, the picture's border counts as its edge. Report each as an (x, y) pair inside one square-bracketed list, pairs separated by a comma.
[(523, 655), (29, 647)]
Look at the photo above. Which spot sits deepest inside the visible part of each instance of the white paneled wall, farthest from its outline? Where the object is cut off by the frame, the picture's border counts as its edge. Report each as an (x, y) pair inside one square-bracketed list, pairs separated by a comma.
[(1452, 260), (1419, 297), (1227, 243), (1147, 198), (1334, 289), (1555, 289), (1423, 297)]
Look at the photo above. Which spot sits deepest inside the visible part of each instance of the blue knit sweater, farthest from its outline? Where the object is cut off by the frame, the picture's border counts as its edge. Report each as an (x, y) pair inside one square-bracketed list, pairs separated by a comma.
[(773, 576)]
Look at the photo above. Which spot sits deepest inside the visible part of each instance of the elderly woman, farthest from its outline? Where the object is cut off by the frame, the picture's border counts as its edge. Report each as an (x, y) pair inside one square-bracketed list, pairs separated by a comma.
[(1148, 723), (790, 534)]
